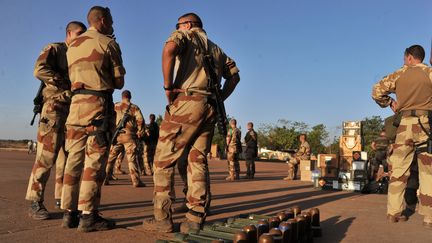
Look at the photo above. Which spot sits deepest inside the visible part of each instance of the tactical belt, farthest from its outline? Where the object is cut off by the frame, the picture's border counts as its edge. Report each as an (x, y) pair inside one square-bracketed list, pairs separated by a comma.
[(408, 113), (420, 148), (195, 92), (104, 94), (100, 127)]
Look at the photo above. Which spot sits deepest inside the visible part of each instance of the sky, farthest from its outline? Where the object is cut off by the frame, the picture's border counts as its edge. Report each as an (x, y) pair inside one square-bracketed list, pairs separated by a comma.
[(311, 61)]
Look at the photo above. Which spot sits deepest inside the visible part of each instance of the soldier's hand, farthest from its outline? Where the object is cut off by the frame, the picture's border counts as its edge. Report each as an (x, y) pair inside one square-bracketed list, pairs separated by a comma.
[(394, 106), (170, 96)]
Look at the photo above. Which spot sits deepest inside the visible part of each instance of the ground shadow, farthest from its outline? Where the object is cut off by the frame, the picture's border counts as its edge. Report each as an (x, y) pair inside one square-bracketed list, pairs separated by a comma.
[(337, 227)]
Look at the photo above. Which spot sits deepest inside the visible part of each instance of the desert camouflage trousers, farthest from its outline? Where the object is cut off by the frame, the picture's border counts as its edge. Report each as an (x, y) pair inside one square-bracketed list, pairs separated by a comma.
[(409, 133), (148, 157), (86, 162), (187, 129), (50, 151), (119, 161), (130, 148), (233, 163), (293, 163)]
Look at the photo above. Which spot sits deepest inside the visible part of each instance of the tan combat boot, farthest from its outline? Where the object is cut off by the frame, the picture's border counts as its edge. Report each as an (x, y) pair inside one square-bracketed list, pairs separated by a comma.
[(162, 221), (396, 218)]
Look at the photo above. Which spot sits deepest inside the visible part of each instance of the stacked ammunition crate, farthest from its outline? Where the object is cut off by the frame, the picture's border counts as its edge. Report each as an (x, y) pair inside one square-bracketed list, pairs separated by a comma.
[(290, 226), (350, 141)]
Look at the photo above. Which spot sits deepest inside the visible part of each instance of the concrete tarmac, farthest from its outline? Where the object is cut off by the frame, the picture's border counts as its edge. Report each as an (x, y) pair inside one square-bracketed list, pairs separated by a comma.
[(345, 216)]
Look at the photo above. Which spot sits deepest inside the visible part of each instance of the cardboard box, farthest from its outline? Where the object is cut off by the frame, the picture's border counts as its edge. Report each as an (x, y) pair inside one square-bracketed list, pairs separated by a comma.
[(327, 160), (306, 175), (306, 165), (358, 165), (337, 185), (364, 155), (345, 163), (349, 144), (329, 172)]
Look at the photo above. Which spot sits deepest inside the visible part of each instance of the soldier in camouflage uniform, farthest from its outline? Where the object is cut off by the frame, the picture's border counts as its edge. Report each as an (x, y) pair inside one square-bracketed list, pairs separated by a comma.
[(234, 147), (127, 138), (150, 139), (251, 151), (381, 146), (303, 153), (413, 87), (52, 69), (118, 163), (95, 70), (189, 122)]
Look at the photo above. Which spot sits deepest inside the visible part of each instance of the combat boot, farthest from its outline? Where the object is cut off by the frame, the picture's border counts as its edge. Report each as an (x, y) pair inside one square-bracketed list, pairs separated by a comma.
[(230, 178), (187, 226), (164, 226), (139, 184), (181, 209), (94, 222), (70, 219), (38, 211), (396, 218), (162, 220)]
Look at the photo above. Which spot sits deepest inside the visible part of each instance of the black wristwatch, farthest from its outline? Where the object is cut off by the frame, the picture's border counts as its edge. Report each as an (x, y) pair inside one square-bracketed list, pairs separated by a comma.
[(168, 89)]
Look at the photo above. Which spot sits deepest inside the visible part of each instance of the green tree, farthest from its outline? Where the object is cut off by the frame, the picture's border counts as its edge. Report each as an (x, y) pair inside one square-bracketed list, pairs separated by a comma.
[(159, 120), (333, 147), (282, 135), (316, 138), (371, 128)]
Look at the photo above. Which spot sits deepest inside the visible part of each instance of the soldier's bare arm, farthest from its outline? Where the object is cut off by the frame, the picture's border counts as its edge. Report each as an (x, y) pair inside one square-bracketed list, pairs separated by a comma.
[(230, 85), (230, 73), (168, 60)]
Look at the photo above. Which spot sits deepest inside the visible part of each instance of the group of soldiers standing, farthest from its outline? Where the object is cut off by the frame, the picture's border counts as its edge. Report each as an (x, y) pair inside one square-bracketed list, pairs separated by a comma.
[(77, 121), (234, 149), (130, 142), (77, 128)]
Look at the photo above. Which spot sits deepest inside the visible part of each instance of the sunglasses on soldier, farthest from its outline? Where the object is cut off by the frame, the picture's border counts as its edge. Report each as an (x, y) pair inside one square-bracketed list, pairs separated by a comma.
[(186, 22)]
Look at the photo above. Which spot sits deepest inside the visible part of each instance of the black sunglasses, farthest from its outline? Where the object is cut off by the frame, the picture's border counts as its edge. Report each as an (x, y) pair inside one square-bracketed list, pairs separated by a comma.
[(178, 24)]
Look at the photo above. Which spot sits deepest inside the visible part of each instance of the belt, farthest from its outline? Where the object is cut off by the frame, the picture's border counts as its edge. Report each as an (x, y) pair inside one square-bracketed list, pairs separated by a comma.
[(415, 113), (186, 92), (104, 93)]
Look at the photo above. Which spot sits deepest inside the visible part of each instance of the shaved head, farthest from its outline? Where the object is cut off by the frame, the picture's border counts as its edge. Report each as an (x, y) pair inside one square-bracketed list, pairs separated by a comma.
[(97, 13), (100, 18), (193, 17), (75, 25)]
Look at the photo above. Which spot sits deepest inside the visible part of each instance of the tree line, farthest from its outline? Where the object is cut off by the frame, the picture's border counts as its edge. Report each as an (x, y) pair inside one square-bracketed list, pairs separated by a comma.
[(283, 135)]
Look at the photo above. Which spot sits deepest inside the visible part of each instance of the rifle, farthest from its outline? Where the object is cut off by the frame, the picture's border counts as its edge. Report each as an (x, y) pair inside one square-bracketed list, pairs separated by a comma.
[(38, 103), (215, 87), (120, 126)]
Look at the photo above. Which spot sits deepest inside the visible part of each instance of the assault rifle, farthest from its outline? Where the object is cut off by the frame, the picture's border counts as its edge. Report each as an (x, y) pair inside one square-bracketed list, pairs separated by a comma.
[(38, 103), (215, 87), (120, 126)]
